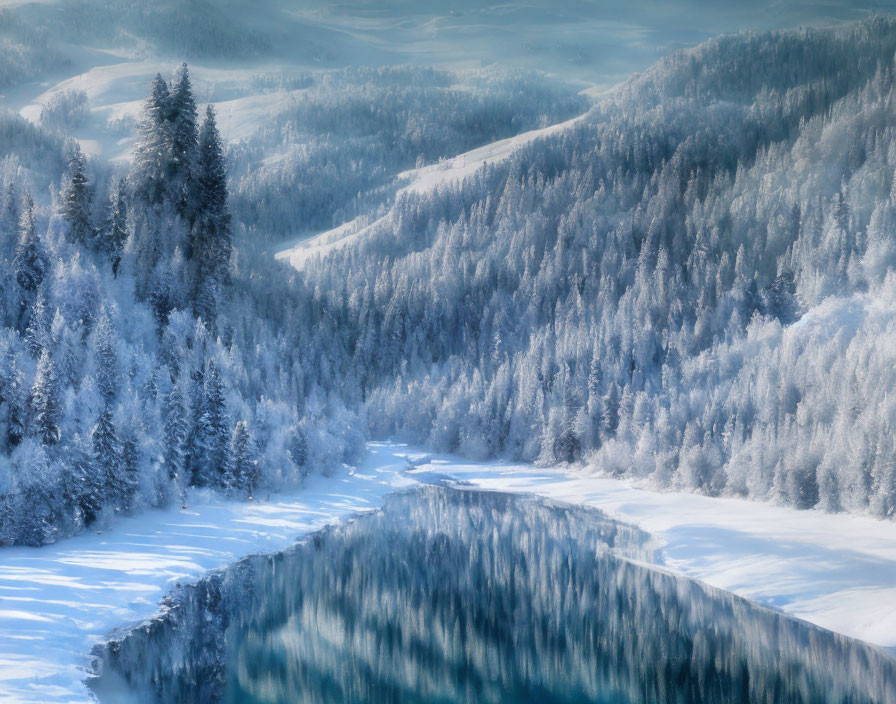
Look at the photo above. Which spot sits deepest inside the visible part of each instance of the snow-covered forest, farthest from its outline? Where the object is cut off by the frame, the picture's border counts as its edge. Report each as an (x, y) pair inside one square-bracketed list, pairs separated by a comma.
[(694, 285), (355, 130), (149, 342), (691, 285), (141, 353)]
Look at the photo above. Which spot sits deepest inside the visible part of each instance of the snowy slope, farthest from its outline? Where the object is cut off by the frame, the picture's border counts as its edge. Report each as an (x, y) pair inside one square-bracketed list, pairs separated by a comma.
[(117, 91), (419, 180), (838, 571), (56, 601)]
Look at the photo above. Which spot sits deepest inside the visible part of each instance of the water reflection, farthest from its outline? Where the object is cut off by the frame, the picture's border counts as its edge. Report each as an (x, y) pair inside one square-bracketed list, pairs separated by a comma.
[(462, 596)]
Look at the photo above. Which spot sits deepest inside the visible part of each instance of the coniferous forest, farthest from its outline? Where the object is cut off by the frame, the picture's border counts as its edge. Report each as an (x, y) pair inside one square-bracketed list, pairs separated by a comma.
[(141, 353), (691, 285), (397, 351)]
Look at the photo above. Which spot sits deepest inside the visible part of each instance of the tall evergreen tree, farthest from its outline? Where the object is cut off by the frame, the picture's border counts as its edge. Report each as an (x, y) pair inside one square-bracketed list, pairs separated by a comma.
[(42, 501), (242, 464), (213, 432), (82, 484), (107, 453), (46, 406), (105, 358), (9, 222), (37, 334), (176, 419), (152, 155), (210, 242), (184, 142), (30, 261), (114, 235), (76, 199), (13, 407), (128, 480)]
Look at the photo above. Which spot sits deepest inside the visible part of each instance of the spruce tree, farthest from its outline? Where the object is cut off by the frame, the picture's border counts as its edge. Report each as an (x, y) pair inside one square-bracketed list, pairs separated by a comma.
[(81, 483), (13, 407), (194, 456), (152, 155), (10, 515), (9, 222), (210, 241), (42, 501), (114, 235), (107, 453), (242, 465), (184, 142), (37, 334), (105, 358), (30, 263), (162, 289), (128, 481), (176, 419), (76, 199), (213, 431), (46, 407), (297, 448)]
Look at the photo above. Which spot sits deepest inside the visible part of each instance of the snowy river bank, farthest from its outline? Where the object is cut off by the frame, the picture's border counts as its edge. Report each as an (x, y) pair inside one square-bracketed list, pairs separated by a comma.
[(56, 602)]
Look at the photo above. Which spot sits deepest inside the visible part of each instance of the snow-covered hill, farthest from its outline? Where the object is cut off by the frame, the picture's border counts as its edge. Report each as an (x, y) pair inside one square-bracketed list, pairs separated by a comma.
[(450, 171)]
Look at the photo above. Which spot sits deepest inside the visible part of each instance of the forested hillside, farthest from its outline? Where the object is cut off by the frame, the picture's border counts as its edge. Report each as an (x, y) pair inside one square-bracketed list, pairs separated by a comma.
[(694, 285), (333, 152), (149, 343), (141, 353)]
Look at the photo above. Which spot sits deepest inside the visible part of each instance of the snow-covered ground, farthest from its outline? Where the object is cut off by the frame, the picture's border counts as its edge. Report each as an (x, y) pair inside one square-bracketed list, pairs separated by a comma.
[(57, 601), (421, 180)]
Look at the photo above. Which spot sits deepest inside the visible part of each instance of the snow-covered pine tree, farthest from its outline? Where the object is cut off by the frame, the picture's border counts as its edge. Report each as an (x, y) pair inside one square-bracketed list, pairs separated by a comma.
[(30, 261), (9, 222), (210, 236), (82, 484), (152, 155), (129, 473), (107, 455), (105, 358), (76, 199), (45, 404), (13, 406), (242, 463), (297, 448), (176, 418), (41, 509), (212, 432), (114, 235), (184, 143), (37, 334)]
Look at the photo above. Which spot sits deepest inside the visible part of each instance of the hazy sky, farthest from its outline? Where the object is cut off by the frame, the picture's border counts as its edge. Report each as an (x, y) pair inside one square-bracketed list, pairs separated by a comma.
[(596, 40), (599, 42)]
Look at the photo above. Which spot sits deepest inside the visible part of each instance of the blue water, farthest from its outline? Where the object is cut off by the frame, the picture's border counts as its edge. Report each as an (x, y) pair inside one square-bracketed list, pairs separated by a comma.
[(458, 596)]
